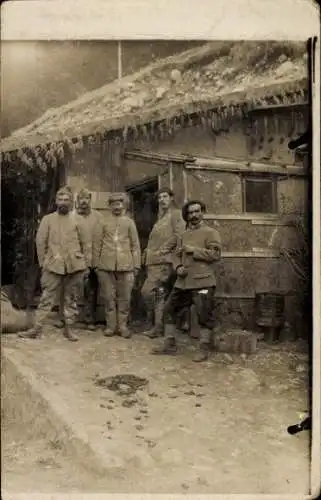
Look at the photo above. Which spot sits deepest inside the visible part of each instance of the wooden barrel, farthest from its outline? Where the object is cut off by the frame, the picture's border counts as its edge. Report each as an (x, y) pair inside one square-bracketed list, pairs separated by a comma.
[(270, 309)]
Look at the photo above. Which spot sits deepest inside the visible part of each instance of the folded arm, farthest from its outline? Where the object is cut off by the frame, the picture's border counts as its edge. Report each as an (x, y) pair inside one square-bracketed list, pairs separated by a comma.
[(212, 250)]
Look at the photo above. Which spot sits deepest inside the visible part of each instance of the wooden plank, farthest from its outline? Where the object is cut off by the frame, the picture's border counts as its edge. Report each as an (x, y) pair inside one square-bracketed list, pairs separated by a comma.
[(262, 222), (249, 217), (232, 296), (259, 254), (246, 167), (275, 107)]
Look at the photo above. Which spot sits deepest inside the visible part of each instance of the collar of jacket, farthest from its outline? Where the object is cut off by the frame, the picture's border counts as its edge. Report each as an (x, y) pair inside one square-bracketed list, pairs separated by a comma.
[(85, 211), (162, 213), (191, 228)]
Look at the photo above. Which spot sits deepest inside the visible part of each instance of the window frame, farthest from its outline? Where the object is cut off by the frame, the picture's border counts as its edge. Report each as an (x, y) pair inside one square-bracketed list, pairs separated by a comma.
[(260, 178)]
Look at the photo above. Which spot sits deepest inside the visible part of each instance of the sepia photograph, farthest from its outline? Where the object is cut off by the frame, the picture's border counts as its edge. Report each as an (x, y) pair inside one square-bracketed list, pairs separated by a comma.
[(156, 266)]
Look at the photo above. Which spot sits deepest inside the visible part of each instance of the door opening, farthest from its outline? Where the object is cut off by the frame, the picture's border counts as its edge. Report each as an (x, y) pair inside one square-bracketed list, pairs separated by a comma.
[(143, 208)]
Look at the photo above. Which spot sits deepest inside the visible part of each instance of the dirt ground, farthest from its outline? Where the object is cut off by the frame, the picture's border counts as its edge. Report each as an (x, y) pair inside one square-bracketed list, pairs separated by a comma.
[(216, 427)]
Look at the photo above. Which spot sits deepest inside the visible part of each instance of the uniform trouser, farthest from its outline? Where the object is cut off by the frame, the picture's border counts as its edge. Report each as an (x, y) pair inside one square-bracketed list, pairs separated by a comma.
[(89, 295), (116, 288), (158, 277), (64, 286), (180, 299)]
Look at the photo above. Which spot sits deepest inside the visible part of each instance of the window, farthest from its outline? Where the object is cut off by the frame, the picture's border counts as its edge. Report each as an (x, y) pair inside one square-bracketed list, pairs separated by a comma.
[(259, 195)]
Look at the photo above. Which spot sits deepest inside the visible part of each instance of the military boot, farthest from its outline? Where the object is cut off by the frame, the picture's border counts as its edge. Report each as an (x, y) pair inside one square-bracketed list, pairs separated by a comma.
[(202, 354), (159, 303), (33, 333), (110, 329), (122, 326), (169, 345), (68, 334)]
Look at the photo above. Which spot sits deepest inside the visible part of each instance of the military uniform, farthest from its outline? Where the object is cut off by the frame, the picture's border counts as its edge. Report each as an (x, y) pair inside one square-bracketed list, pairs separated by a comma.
[(116, 255), (196, 287), (90, 220), (157, 259), (64, 253)]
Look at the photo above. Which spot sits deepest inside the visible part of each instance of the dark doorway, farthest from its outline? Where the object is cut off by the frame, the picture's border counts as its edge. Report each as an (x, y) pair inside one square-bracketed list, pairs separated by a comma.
[(143, 207)]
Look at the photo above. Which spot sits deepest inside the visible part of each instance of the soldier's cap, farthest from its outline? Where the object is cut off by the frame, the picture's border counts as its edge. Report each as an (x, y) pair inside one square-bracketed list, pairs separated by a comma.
[(65, 190), (116, 197), (83, 193), (165, 190)]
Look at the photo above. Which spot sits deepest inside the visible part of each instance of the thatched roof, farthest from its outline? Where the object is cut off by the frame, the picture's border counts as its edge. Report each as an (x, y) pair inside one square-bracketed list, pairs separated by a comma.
[(217, 75)]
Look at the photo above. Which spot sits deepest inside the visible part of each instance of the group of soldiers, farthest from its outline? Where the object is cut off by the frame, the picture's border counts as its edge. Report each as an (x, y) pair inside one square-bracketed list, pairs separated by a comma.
[(78, 248)]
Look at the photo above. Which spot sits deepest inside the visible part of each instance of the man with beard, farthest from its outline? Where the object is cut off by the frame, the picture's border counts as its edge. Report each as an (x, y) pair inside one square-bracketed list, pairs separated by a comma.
[(64, 254), (117, 258), (196, 251), (157, 258)]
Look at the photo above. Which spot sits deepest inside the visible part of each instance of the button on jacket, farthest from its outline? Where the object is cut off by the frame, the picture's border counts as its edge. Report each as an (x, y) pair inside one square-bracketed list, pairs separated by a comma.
[(206, 244), (90, 222), (116, 245), (63, 246)]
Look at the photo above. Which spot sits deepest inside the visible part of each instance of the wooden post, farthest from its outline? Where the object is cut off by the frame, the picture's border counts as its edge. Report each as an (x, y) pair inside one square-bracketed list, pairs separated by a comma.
[(120, 55), (170, 166)]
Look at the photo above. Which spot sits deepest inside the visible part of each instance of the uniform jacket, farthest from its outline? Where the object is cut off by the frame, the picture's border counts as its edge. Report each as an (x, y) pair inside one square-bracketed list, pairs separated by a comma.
[(63, 246), (90, 221), (206, 243), (116, 245), (168, 225)]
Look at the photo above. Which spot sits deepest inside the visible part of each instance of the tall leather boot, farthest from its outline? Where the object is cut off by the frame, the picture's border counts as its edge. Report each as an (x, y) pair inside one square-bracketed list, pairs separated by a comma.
[(122, 325), (204, 345), (68, 334), (169, 345), (111, 320), (159, 303)]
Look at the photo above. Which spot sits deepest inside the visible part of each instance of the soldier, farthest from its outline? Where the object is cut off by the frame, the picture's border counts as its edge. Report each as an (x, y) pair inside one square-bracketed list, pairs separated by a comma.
[(197, 249), (117, 258), (157, 257), (64, 253), (91, 219)]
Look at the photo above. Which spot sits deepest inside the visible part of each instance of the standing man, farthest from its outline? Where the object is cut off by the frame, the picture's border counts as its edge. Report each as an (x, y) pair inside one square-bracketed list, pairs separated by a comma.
[(157, 257), (197, 249), (90, 219), (64, 254), (117, 258)]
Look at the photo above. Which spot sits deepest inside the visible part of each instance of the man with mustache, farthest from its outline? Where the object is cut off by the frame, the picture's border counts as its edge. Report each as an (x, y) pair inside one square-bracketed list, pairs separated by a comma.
[(91, 219), (64, 254), (117, 258), (196, 251), (157, 258)]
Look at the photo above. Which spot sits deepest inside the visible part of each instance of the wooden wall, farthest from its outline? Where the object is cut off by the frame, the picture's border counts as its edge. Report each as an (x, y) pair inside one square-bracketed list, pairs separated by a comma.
[(251, 245)]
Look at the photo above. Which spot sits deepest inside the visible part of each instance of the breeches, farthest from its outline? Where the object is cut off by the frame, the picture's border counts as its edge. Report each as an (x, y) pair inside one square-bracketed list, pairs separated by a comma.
[(64, 286), (116, 289), (158, 276), (181, 299)]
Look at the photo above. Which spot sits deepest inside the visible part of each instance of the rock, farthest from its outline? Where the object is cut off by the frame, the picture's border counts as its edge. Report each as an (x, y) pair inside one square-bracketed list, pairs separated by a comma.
[(128, 403), (197, 75), (301, 368), (283, 68), (282, 58), (160, 92), (176, 75)]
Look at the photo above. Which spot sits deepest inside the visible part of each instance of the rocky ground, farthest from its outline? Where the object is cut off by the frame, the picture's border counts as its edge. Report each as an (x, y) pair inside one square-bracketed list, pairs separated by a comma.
[(176, 427)]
